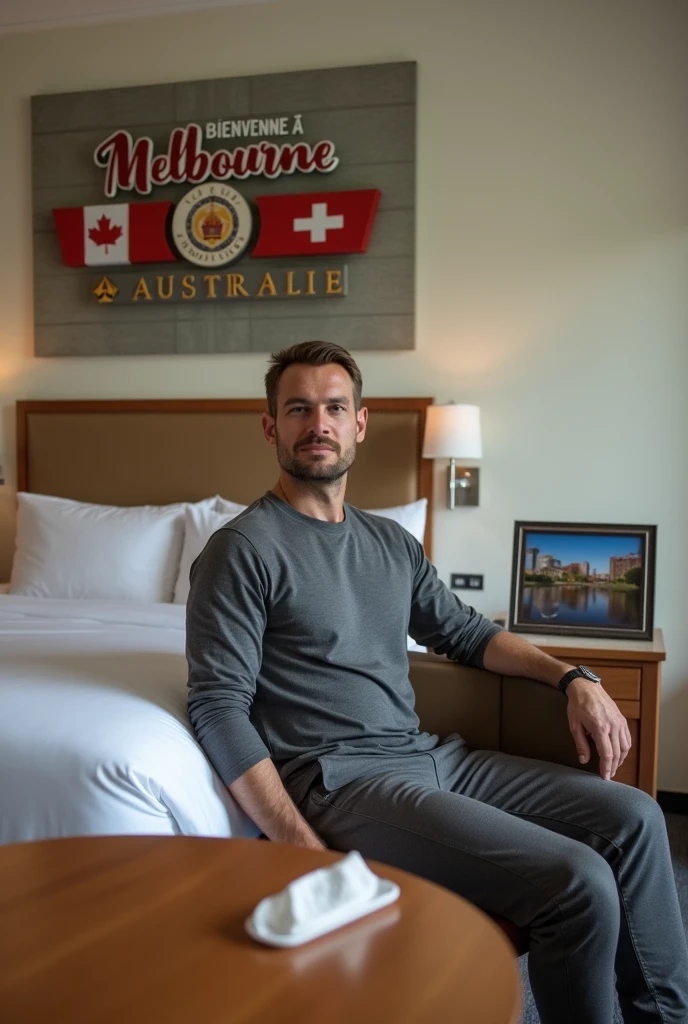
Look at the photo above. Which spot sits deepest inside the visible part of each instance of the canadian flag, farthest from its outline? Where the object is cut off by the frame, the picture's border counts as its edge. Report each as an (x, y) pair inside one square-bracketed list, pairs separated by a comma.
[(114, 234), (316, 222)]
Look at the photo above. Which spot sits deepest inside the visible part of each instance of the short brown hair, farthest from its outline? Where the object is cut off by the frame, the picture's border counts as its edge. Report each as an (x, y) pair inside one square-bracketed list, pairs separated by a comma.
[(313, 353)]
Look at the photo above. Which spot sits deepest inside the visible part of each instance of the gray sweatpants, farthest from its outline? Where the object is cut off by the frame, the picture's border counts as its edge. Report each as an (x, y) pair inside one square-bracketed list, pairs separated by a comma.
[(581, 862)]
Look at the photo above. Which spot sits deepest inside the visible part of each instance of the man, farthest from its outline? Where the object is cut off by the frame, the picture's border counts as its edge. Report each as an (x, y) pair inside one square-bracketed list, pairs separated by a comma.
[(300, 695)]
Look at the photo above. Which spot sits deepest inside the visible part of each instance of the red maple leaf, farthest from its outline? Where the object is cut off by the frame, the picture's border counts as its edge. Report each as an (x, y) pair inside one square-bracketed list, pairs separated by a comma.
[(106, 233)]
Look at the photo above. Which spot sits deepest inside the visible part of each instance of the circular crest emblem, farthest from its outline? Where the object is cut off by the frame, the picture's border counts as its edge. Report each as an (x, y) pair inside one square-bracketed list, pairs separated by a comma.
[(212, 225)]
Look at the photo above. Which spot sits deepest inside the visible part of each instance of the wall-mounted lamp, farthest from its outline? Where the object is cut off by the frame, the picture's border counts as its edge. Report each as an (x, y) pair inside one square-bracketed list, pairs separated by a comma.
[(453, 432)]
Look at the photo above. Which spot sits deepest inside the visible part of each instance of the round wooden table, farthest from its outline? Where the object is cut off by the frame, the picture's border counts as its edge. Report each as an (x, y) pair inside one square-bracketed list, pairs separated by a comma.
[(149, 929)]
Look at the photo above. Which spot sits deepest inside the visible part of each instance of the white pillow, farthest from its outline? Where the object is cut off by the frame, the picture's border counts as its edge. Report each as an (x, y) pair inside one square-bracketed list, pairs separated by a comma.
[(74, 549), (199, 526), (411, 645), (412, 516), (230, 507)]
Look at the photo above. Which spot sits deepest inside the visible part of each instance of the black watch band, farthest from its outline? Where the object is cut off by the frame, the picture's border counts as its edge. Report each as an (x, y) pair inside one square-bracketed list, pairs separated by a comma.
[(577, 673)]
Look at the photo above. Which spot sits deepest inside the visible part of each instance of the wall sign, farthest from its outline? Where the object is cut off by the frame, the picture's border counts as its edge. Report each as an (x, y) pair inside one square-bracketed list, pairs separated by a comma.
[(201, 244)]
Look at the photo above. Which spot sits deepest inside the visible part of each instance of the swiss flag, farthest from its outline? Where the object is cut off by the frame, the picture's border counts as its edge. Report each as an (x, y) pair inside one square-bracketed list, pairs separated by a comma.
[(316, 222), (114, 234)]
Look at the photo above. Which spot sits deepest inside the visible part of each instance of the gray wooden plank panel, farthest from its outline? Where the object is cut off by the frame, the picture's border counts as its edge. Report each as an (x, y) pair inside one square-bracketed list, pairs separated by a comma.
[(58, 162), (219, 98), (103, 108), (67, 298), (208, 312), (222, 335), (393, 234), (295, 91), (375, 286), (396, 181), (363, 332), (106, 339), (365, 135), (369, 113), (333, 88), (47, 256)]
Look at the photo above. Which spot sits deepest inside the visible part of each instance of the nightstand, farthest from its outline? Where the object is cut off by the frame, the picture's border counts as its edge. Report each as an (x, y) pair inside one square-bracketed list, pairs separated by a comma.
[(631, 675)]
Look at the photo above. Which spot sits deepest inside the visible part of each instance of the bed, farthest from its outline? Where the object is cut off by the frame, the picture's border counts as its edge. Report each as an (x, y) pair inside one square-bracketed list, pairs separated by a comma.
[(94, 734)]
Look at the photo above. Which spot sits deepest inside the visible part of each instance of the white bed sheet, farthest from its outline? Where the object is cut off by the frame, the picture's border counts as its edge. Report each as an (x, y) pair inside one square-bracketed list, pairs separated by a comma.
[(94, 733)]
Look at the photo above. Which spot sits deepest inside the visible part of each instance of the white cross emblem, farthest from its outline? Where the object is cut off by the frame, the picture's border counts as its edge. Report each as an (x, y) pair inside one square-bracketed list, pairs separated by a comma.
[(319, 223)]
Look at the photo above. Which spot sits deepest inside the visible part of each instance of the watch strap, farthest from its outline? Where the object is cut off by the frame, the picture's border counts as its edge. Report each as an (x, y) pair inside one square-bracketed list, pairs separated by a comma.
[(576, 673)]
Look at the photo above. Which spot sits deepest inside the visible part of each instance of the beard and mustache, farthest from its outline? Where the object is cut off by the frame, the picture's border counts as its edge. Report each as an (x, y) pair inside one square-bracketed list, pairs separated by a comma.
[(315, 470)]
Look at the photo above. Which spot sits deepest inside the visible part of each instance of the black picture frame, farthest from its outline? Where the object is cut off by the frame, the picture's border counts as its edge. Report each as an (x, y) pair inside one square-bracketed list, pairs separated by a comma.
[(549, 596)]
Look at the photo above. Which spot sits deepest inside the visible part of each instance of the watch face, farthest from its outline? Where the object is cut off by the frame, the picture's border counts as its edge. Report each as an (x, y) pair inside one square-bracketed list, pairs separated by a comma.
[(588, 674)]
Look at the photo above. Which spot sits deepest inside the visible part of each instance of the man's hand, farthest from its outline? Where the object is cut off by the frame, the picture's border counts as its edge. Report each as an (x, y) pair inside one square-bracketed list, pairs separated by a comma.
[(592, 712), (309, 843), (261, 793)]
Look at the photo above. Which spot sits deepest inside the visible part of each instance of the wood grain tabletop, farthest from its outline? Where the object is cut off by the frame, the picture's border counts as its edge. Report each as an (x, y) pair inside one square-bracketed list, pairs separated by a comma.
[(139, 929)]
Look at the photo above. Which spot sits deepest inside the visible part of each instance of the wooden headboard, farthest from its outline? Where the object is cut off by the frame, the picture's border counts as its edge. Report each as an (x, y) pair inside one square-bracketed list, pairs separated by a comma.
[(158, 451)]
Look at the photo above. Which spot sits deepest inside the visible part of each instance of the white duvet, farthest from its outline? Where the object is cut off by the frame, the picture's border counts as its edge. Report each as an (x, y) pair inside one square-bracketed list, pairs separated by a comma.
[(94, 734)]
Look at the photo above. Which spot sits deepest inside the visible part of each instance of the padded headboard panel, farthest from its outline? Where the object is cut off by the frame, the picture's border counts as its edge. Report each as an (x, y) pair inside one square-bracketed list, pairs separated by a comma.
[(160, 451)]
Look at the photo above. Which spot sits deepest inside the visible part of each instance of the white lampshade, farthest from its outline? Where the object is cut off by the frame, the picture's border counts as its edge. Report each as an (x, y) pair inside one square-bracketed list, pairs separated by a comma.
[(452, 432)]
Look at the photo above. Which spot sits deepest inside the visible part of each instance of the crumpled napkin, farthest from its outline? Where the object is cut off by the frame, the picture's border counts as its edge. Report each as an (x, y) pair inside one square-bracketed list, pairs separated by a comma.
[(312, 900)]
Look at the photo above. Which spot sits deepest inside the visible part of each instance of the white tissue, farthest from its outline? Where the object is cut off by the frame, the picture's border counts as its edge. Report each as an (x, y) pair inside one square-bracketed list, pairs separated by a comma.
[(308, 902)]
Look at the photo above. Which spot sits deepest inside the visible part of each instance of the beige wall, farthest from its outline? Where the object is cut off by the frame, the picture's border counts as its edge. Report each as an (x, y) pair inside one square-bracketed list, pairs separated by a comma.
[(552, 253)]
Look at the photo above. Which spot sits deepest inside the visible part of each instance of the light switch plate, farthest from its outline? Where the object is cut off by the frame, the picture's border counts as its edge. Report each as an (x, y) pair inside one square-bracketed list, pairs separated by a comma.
[(466, 581)]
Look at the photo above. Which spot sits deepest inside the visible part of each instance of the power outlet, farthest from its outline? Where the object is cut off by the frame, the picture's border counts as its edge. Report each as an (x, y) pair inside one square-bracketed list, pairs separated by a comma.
[(466, 581)]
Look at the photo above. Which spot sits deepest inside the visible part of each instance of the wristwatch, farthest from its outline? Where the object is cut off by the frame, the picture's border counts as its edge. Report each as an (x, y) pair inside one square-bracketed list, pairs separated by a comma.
[(575, 673)]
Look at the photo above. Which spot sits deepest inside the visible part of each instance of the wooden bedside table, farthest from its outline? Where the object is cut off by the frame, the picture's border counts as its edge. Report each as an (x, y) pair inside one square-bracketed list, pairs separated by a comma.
[(631, 675)]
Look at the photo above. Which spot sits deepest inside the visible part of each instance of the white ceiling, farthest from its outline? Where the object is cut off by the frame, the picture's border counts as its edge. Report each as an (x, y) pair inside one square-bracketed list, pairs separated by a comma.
[(22, 15)]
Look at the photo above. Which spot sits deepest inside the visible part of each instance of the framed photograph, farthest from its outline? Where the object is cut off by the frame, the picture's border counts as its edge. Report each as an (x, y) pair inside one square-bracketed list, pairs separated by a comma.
[(583, 579)]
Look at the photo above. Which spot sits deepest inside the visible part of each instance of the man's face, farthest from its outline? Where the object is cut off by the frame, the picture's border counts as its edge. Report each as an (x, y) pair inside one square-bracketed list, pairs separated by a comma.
[(317, 428)]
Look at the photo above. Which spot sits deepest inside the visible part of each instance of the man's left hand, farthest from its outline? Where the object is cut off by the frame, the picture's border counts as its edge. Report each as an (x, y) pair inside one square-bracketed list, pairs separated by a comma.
[(592, 712)]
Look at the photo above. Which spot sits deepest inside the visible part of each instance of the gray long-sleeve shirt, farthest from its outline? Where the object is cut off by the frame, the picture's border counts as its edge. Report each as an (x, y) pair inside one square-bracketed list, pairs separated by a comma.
[(296, 641)]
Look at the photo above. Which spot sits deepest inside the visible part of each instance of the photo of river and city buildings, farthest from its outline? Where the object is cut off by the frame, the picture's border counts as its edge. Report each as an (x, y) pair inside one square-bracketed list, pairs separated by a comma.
[(582, 579)]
